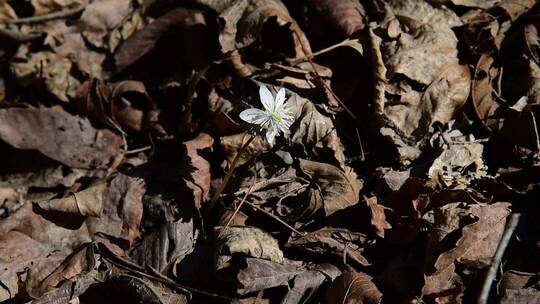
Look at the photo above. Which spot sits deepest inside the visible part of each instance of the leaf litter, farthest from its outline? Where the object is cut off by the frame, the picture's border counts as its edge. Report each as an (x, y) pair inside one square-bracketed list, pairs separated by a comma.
[(404, 137)]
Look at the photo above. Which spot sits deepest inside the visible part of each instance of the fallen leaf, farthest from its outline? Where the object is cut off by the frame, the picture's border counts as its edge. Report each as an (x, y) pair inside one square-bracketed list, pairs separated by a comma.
[(261, 274), (378, 219), (88, 202), (313, 129), (42, 7), (346, 16), (407, 110), (340, 189), (48, 68), (167, 244), (488, 110), (122, 210), (485, 4), (59, 135), (337, 241), (124, 104), (353, 287), (251, 241), (304, 285), (179, 20), (514, 296), (460, 162), (100, 17), (245, 19), (199, 179), (477, 245)]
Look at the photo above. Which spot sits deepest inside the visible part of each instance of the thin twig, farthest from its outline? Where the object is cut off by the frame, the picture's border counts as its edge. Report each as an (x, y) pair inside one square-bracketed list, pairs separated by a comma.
[(236, 211), (362, 155), (134, 151), (276, 218), (46, 17), (490, 277), (325, 50), (216, 195)]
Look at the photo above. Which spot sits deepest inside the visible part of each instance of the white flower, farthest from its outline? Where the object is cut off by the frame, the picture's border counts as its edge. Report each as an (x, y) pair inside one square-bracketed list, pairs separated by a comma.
[(275, 116)]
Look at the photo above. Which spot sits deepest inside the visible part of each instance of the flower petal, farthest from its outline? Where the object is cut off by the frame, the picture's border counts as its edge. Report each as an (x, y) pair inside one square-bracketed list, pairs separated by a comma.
[(271, 135), (280, 99), (266, 98), (254, 116)]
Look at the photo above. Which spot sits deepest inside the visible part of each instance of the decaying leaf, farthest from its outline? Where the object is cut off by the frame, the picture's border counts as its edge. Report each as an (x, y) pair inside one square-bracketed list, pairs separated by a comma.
[(245, 20), (124, 104), (53, 71), (346, 16), (414, 137), (179, 20), (88, 202), (48, 247), (199, 178), (68, 139), (514, 296), (378, 219), (168, 244), (460, 162), (353, 287), (336, 241), (251, 241), (340, 189), (100, 17), (304, 285), (426, 54), (261, 274), (122, 210), (476, 246), (313, 129)]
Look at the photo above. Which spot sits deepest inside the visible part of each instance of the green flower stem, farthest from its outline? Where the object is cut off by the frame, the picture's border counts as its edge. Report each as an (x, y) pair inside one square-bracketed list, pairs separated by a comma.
[(216, 195)]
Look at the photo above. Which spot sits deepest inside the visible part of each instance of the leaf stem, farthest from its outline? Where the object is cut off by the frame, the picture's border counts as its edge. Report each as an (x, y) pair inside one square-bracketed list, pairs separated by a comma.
[(236, 158)]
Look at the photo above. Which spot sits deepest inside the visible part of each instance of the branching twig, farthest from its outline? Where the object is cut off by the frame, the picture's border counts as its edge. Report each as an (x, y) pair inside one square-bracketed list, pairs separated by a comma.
[(46, 17), (275, 217), (490, 277)]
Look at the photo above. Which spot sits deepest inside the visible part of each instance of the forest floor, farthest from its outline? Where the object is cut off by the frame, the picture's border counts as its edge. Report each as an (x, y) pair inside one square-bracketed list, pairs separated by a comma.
[(269, 151)]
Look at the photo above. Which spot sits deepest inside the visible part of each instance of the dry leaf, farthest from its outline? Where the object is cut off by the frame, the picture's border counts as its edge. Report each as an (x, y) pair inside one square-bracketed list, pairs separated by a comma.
[(167, 244), (261, 274), (378, 219), (199, 179), (88, 202), (245, 19), (304, 285), (250, 241), (313, 129), (48, 68), (476, 246), (346, 16), (179, 20), (340, 189), (336, 241), (59, 135), (124, 104), (122, 210), (353, 287), (425, 54), (515, 296), (102, 16)]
